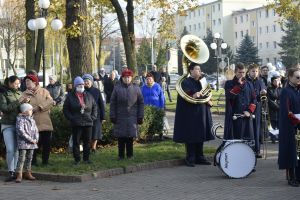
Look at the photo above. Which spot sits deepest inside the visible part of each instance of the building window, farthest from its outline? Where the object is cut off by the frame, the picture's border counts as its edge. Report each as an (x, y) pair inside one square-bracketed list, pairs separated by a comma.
[(241, 18), (219, 21), (219, 7), (213, 8), (247, 18), (199, 26), (208, 16), (242, 34), (274, 28), (203, 25), (253, 23), (260, 30), (259, 14), (214, 22), (195, 27), (236, 35), (199, 12), (267, 44), (275, 60), (253, 38), (247, 32), (274, 12), (190, 27), (275, 44), (260, 45), (235, 20), (267, 13), (268, 60), (194, 12), (267, 29)]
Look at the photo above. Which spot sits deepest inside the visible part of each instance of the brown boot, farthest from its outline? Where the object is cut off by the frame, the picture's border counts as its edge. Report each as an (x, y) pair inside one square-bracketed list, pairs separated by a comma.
[(28, 176), (19, 177)]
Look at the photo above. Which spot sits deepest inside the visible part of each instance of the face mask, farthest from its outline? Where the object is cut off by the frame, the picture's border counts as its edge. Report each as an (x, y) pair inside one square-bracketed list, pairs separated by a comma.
[(80, 89)]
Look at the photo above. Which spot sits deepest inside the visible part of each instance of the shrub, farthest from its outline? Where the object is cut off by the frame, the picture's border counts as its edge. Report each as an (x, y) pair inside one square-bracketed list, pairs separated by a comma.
[(153, 124)]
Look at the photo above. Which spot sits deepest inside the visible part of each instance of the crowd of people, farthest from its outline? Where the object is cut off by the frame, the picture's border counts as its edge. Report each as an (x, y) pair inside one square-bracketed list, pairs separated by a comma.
[(26, 124)]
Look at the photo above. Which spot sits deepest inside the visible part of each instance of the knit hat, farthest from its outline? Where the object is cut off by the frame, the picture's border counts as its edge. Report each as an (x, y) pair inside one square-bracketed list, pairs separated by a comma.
[(78, 81), (25, 107), (33, 78), (88, 76), (53, 77), (127, 72)]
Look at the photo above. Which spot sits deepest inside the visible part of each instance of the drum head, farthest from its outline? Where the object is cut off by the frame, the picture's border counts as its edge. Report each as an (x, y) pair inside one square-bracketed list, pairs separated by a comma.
[(237, 160)]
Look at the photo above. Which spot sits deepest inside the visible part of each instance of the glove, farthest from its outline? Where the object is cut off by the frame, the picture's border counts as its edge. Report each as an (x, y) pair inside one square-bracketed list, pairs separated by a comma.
[(140, 120), (293, 118), (113, 120)]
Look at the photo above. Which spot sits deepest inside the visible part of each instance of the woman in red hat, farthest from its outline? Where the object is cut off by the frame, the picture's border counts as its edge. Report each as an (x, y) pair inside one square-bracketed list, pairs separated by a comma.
[(126, 111), (42, 102)]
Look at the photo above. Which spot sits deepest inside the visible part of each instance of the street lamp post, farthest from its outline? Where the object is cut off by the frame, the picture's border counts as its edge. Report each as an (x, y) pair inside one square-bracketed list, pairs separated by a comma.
[(218, 45), (152, 41), (41, 23)]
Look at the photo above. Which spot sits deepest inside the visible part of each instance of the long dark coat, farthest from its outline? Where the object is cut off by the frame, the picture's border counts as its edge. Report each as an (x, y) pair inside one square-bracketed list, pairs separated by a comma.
[(258, 86), (193, 122), (126, 107), (289, 102), (97, 125), (274, 102), (241, 128), (72, 107)]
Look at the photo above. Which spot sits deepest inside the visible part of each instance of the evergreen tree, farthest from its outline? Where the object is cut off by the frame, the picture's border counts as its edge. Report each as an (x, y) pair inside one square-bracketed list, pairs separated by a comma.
[(161, 59), (290, 44), (143, 56), (247, 52)]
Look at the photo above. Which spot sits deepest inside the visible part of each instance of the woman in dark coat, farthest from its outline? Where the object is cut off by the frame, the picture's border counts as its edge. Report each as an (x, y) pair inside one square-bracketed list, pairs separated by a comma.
[(81, 110), (240, 99), (288, 125), (273, 94), (126, 112), (193, 122), (97, 124)]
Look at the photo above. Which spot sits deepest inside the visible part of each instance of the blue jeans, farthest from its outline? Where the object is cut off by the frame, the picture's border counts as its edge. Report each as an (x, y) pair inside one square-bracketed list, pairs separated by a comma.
[(10, 140)]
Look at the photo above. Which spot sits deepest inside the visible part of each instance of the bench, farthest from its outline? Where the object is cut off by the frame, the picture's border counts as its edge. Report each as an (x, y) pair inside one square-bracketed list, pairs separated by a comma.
[(220, 102)]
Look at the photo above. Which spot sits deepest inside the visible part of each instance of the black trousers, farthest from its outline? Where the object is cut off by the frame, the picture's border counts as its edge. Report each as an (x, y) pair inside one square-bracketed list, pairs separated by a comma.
[(44, 144), (168, 92), (194, 152), (125, 142), (83, 133)]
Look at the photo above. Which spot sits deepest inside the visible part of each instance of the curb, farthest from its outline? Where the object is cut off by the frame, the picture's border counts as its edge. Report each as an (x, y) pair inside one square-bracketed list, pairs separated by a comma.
[(103, 173)]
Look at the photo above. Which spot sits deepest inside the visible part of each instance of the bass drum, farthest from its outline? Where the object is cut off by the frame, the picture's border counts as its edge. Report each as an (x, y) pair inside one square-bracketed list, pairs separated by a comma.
[(235, 158)]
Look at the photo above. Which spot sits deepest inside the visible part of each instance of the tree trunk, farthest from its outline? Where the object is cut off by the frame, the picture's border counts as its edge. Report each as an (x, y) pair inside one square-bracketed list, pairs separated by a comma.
[(78, 47), (30, 39), (127, 32)]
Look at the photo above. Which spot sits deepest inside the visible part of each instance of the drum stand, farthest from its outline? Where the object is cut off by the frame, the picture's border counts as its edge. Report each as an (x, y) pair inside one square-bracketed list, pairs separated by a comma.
[(264, 129)]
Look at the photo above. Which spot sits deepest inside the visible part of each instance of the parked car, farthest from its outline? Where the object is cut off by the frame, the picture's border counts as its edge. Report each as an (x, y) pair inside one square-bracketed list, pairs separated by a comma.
[(173, 79)]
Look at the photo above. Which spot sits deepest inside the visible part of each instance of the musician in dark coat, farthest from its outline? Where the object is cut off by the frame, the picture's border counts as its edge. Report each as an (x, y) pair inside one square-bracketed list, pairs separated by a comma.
[(288, 125), (273, 94), (97, 123), (260, 91), (240, 99), (193, 122)]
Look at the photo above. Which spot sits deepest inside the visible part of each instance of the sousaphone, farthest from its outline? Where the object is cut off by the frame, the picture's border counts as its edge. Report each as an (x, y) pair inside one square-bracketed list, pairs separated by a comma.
[(195, 50)]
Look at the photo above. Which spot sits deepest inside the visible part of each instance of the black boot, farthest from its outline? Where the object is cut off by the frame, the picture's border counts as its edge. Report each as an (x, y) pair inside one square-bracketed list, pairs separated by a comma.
[(291, 178), (11, 176)]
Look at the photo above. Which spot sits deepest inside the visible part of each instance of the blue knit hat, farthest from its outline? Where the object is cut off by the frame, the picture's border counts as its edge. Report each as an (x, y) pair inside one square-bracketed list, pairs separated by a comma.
[(78, 81), (88, 76)]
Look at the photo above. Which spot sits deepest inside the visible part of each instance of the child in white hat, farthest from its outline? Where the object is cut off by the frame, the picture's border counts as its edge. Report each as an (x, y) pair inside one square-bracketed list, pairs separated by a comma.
[(27, 138)]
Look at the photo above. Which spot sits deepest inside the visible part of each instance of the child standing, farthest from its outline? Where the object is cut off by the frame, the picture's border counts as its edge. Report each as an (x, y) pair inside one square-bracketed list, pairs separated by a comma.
[(27, 138)]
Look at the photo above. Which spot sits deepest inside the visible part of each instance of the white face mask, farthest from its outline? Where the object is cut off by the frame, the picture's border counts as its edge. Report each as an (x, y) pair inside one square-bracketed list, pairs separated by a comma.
[(80, 89)]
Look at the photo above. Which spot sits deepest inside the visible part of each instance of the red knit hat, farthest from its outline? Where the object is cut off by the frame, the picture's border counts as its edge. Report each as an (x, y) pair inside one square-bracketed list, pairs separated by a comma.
[(127, 72), (33, 78)]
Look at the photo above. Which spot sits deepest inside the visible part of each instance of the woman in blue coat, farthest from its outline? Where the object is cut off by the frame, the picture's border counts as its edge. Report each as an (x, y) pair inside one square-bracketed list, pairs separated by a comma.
[(193, 122), (288, 125)]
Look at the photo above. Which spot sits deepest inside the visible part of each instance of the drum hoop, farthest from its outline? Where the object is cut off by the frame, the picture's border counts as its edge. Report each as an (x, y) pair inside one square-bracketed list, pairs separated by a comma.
[(219, 165)]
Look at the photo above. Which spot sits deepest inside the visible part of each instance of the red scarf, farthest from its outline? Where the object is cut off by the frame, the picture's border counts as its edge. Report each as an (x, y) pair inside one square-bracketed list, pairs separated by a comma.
[(80, 98)]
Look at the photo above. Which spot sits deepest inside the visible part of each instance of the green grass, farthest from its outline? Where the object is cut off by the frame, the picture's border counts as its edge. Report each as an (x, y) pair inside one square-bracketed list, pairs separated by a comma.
[(171, 106), (106, 158)]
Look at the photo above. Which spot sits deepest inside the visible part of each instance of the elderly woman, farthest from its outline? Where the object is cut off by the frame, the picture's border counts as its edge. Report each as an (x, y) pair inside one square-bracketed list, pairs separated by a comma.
[(97, 128), (81, 110), (126, 111), (10, 100), (56, 90), (153, 93), (42, 102)]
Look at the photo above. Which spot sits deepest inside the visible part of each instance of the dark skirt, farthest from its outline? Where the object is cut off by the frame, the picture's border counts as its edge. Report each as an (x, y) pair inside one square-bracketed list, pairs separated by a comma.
[(97, 129)]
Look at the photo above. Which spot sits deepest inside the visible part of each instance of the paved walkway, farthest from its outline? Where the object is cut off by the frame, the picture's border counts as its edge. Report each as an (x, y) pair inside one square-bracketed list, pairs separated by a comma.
[(177, 183)]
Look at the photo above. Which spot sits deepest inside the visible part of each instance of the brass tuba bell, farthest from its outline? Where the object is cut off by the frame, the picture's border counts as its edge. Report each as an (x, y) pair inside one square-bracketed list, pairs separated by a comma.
[(195, 50)]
